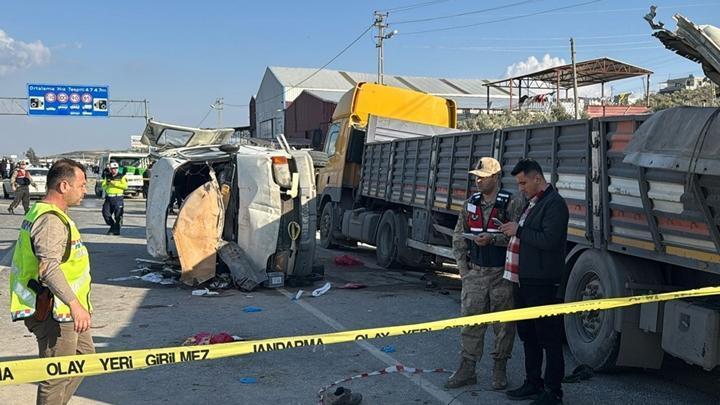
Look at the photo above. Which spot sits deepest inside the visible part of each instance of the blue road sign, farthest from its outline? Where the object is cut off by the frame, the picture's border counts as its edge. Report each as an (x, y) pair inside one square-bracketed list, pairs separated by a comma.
[(81, 101)]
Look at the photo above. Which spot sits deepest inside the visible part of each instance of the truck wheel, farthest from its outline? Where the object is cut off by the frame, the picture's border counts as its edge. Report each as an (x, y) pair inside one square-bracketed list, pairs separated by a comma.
[(591, 335), (328, 224), (386, 250)]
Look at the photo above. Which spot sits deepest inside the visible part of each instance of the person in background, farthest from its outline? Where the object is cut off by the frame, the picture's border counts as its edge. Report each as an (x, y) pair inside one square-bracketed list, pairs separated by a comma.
[(535, 263), (50, 278), (20, 182), (114, 186), (3, 168), (481, 263), (146, 180)]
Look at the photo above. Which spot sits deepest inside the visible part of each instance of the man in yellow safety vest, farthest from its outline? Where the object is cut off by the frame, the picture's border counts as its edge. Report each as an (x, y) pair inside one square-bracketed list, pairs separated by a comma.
[(114, 185), (50, 277)]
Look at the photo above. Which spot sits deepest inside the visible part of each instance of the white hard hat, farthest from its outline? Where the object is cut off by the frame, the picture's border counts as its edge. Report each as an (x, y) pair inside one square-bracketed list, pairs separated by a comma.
[(114, 165)]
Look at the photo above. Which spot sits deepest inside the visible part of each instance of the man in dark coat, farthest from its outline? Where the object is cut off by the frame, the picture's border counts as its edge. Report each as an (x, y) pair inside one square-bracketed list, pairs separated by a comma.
[(535, 263)]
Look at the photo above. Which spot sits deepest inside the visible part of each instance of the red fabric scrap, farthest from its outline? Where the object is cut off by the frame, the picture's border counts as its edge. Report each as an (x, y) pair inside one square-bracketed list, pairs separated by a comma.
[(353, 286), (347, 260)]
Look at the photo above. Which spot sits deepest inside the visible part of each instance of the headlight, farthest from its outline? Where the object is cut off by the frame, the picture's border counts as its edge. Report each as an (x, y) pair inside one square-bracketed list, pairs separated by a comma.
[(281, 171)]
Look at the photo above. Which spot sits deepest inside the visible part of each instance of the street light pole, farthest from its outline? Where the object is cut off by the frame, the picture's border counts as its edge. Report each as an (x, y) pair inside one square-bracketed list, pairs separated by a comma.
[(574, 74), (381, 37), (218, 105)]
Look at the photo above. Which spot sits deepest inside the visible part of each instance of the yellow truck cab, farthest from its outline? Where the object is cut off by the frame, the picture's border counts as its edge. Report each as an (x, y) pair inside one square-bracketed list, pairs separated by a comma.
[(345, 140), (346, 135)]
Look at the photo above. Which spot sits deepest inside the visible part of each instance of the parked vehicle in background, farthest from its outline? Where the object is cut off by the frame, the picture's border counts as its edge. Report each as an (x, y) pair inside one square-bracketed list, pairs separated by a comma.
[(266, 200), (37, 190), (132, 165)]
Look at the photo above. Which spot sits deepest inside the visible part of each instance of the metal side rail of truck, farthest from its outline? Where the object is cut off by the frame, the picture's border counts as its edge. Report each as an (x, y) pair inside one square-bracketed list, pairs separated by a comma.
[(266, 200)]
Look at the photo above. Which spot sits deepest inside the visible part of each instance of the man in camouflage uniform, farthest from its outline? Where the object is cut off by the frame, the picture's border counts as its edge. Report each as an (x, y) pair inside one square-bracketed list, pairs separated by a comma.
[(481, 262)]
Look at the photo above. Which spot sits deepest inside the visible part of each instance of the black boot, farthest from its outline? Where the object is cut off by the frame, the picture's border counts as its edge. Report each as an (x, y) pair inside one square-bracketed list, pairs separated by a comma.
[(111, 230), (116, 230)]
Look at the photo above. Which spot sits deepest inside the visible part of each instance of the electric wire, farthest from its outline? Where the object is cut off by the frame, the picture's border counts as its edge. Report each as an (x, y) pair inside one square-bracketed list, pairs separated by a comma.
[(518, 3), (359, 37), (204, 118), (457, 27), (414, 6)]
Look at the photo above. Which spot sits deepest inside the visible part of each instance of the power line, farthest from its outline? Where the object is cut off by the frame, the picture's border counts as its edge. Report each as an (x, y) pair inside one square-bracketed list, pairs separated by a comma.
[(622, 45), (635, 9), (204, 118), (236, 105), (465, 13), (322, 67), (414, 6), (503, 19), (564, 39)]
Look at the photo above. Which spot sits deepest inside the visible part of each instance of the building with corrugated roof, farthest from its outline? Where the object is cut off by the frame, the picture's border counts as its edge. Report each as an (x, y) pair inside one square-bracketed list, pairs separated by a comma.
[(282, 86)]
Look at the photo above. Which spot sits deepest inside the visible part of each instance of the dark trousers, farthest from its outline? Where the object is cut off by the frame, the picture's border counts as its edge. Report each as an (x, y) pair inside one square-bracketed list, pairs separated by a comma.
[(541, 335), (112, 211), (22, 194)]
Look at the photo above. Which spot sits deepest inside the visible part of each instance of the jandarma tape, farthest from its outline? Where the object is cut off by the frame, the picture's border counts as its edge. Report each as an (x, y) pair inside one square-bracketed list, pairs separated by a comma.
[(26, 371)]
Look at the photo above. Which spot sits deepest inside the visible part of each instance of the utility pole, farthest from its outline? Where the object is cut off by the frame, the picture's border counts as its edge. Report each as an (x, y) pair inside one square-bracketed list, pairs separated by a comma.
[(574, 74), (218, 105), (381, 37)]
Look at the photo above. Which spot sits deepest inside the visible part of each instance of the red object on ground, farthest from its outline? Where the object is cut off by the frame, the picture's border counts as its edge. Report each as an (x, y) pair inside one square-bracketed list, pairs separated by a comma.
[(204, 338), (347, 260), (221, 337), (353, 286)]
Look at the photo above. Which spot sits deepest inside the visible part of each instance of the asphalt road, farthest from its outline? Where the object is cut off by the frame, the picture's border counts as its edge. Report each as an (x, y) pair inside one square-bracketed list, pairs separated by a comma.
[(136, 314)]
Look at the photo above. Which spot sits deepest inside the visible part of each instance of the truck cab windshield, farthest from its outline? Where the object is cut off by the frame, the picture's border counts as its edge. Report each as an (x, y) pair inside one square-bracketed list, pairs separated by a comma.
[(332, 136)]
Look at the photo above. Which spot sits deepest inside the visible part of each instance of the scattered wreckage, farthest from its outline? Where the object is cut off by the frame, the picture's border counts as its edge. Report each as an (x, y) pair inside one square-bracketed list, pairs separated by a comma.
[(243, 209)]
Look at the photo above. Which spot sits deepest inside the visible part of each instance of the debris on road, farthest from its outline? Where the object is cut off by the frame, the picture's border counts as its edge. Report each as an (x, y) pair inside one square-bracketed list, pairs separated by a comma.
[(245, 276), (123, 278), (342, 396), (298, 295), (205, 338), (388, 370), (347, 260), (203, 292), (153, 277), (248, 380), (352, 286), (250, 309), (388, 349), (322, 290)]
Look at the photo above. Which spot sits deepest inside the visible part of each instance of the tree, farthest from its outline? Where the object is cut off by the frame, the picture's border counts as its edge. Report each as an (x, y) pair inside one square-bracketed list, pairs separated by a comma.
[(700, 97), (513, 119), (32, 157)]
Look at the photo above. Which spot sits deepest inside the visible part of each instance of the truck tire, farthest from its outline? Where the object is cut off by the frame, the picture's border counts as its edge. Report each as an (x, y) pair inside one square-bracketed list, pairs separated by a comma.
[(592, 336), (328, 224), (391, 240), (386, 251)]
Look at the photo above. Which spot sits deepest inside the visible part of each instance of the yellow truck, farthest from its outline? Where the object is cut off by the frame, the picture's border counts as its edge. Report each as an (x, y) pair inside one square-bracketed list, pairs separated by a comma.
[(345, 142)]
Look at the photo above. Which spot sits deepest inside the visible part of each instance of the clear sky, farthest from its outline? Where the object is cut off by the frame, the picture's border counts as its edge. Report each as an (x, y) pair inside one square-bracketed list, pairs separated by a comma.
[(181, 56)]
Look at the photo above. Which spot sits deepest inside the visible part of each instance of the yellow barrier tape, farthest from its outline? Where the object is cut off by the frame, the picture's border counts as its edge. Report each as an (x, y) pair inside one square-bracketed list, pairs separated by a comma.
[(25, 371)]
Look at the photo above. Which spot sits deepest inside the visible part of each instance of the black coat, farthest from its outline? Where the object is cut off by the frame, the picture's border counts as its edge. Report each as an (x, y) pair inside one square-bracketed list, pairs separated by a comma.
[(542, 240)]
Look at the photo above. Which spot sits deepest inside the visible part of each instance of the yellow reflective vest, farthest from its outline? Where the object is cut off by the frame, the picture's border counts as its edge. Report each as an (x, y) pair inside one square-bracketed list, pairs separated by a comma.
[(75, 266), (115, 187)]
